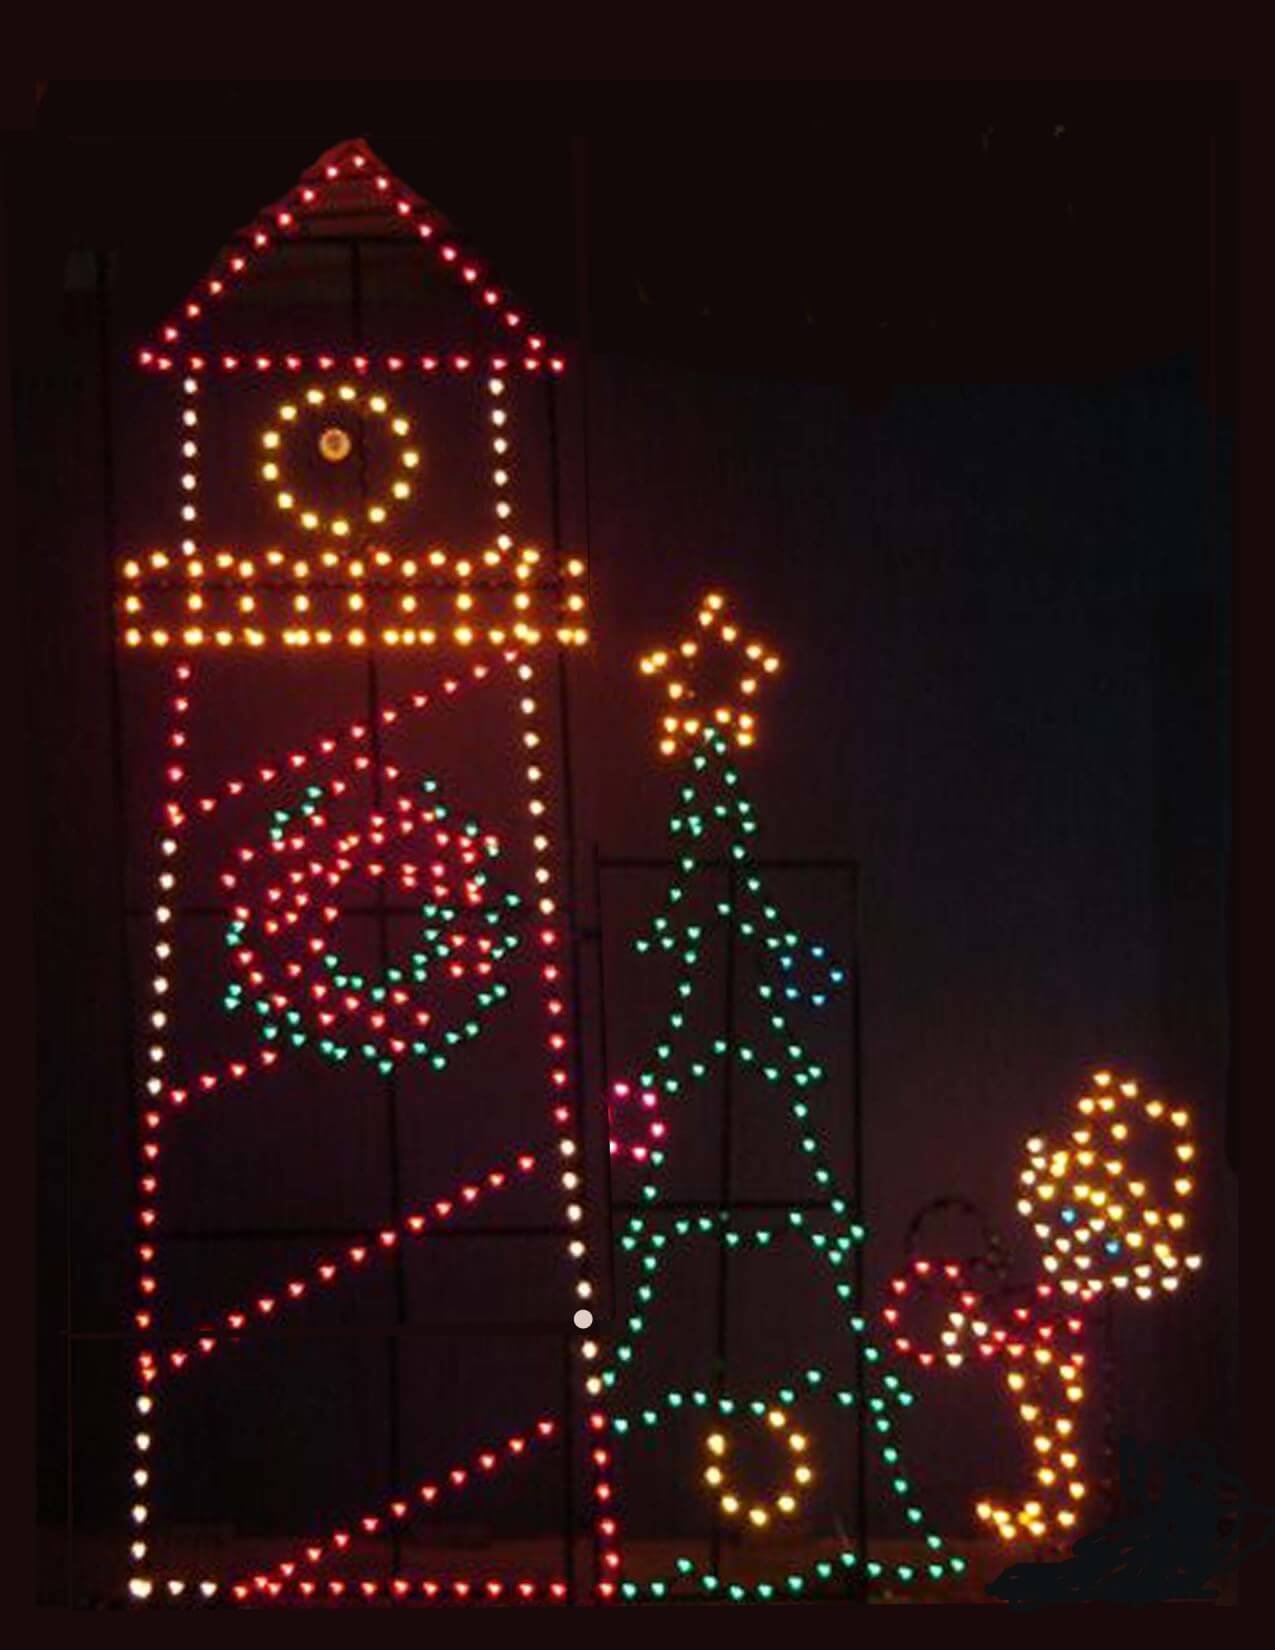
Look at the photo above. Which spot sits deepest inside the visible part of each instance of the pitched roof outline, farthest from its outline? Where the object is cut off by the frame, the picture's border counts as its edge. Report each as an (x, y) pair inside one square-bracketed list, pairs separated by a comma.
[(347, 180)]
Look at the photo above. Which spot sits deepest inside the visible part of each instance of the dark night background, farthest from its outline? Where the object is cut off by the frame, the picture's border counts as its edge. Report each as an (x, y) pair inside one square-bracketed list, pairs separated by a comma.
[(937, 382)]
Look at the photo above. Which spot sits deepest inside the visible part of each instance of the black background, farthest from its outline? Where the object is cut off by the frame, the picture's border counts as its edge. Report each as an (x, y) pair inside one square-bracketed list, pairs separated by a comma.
[(938, 381)]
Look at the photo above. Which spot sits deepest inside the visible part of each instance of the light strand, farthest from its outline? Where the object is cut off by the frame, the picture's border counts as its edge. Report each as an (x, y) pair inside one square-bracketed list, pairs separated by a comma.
[(141, 1584), (402, 1509), (1104, 1225), (267, 1307), (552, 971), (675, 1072), (402, 208)]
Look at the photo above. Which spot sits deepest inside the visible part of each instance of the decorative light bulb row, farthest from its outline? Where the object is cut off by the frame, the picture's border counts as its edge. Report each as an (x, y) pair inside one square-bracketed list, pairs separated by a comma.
[(377, 567), (376, 597), (235, 363), (399, 1590)]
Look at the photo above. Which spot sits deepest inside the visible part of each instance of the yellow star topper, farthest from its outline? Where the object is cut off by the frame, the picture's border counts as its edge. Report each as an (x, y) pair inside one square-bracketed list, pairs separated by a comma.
[(691, 709)]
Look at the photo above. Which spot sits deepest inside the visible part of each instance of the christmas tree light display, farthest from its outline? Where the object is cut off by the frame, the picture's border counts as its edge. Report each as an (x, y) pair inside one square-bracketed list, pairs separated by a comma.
[(318, 528), (1103, 1227), (810, 1415), (388, 890)]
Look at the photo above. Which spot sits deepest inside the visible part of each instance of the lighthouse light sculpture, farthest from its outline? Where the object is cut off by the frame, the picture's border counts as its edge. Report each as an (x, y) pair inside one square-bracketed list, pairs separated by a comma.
[(356, 1028)]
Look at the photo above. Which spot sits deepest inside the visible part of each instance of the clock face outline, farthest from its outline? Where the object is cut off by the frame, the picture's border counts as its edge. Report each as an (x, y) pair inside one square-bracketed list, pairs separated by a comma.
[(335, 444)]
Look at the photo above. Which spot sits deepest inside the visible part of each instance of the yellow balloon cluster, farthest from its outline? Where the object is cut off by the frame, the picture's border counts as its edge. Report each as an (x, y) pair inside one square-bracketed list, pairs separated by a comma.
[(1107, 1223), (1101, 1215)]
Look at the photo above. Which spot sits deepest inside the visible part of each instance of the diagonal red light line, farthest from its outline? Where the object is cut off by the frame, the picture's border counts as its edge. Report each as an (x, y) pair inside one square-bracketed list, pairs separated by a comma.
[(327, 745), (400, 1510), (265, 1307), (178, 822), (236, 1070)]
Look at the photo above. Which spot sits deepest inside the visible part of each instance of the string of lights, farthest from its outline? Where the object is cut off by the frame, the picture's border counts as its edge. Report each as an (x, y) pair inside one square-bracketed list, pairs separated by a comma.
[(457, 1479), (224, 600), (257, 363), (349, 165), (635, 1125), (363, 580), (1101, 1225), (790, 974), (455, 869), (330, 1268)]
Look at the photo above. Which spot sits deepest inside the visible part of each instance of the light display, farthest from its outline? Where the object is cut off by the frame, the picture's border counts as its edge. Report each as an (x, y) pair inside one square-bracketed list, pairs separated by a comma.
[(330, 1268), (759, 1513), (298, 1571), (434, 600), (336, 444), (692, 705), (1094, 1205), (637, 1128), (350, 567), (714, 820), (284, 952), (1105, 1223), (345, 820), (348, 165)]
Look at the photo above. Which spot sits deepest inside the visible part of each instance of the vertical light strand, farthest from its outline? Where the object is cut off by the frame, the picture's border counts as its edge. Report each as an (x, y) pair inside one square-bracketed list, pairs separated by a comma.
[(141, 1584), (502, 470), (549, 953), (189, 481), (159, 997), (501, 475)]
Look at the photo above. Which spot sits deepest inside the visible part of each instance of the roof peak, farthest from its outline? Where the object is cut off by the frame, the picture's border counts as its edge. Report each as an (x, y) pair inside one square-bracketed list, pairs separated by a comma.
[(345, 151), (347, 177)]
